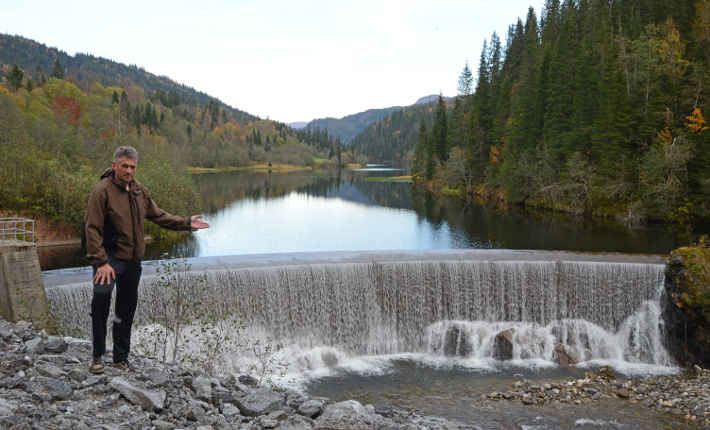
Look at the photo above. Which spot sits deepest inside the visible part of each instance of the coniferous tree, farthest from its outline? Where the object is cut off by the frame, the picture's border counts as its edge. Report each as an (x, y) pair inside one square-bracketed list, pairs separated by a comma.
[(15, 77), (421, 150), (57, 70), (440, 131)]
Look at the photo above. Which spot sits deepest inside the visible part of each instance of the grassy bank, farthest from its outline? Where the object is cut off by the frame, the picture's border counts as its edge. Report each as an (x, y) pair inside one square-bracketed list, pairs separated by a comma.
[(390, 179)]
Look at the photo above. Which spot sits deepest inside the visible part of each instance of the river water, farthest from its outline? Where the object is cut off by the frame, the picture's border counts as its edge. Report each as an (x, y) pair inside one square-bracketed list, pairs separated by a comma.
[(339, 210)]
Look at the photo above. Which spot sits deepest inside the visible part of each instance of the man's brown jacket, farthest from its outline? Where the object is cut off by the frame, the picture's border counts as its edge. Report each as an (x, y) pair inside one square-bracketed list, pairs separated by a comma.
[(115, 219)]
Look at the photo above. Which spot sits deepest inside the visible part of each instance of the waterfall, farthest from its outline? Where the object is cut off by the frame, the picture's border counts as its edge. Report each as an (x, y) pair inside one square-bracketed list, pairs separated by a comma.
[(600, 310)]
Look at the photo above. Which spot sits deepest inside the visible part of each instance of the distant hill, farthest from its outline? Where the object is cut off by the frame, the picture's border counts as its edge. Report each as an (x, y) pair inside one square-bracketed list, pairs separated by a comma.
[(350, 126), (86, 69), (431, 98), (392, 139), (297, 125)]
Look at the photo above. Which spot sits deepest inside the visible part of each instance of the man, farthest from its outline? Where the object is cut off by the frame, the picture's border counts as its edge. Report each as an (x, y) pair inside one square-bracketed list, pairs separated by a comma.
[(114, 223)]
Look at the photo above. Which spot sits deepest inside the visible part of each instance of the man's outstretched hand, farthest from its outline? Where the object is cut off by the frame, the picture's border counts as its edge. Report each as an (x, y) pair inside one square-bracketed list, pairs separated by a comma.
[(196, 223)]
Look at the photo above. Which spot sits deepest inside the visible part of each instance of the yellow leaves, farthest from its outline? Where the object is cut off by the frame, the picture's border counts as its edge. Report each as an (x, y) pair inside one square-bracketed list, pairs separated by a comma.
[(696, 122), (496, 154), (18, 99), (671, 49), (665, 136)]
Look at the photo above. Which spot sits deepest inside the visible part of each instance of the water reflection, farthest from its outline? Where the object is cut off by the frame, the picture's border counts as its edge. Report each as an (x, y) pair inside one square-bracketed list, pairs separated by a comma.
[(329, 210)]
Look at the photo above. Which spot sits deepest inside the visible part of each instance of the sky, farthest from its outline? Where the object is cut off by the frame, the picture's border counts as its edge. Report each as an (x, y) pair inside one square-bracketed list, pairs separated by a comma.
[(285, 60)]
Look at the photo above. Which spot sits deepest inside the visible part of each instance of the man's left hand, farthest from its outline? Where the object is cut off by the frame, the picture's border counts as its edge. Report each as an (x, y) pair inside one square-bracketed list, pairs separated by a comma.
[(196, 223)]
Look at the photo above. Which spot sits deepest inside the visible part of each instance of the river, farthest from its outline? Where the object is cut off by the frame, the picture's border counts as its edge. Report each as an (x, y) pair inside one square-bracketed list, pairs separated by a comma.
[(339, 210)]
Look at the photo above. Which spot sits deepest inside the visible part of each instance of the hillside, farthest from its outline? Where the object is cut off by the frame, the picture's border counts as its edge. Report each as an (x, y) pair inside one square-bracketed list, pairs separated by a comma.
[(349, 126), (595, 108), (392, 139), (431, 98), (63, 124), (86, 69)]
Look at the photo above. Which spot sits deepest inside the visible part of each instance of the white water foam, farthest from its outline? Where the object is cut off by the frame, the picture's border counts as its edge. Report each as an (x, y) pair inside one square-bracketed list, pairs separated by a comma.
[(360, 315)]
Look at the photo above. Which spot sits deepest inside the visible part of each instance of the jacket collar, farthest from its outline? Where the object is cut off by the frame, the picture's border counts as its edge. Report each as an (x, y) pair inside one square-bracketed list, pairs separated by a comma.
[(111, 174)]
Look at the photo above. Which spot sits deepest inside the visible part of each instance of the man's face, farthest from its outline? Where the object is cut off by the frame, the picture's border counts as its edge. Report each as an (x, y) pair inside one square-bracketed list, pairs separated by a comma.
[(125, 169)]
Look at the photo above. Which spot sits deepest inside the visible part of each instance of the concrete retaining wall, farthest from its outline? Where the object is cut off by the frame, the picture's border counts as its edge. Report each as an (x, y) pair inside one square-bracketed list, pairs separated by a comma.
[(22, 295)]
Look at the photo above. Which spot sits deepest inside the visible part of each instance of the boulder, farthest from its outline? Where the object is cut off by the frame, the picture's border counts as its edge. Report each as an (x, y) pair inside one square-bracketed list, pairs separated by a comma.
[(503, 345), (260, 401), (348, 414), (311, 408), (456, 342), (52, 390), (565, 355), (35, 345), (147, 400), (56, 346), (230, 411), (203, 388)]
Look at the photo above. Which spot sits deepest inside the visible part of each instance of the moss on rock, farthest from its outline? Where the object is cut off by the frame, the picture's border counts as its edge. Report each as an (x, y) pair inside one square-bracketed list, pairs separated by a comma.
[(693, 280)]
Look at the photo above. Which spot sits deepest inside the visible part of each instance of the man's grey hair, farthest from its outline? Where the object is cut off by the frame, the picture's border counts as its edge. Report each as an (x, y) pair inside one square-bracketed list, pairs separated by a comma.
[(125, 151)]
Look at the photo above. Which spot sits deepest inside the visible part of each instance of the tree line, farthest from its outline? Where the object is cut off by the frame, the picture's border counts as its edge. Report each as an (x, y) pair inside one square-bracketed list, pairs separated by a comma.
[(595, 107), (57, 136)]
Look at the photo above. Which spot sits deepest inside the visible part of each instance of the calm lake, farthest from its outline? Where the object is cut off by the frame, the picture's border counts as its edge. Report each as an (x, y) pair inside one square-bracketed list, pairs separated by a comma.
[(339, 210)]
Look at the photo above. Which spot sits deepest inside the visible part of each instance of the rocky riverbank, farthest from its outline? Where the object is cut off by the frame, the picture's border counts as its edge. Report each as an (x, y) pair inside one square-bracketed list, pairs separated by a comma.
[(686, 395), (45, 384)]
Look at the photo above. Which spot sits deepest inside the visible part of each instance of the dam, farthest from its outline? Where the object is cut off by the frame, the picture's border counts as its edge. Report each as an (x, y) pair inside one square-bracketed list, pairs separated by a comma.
[(452, 303)]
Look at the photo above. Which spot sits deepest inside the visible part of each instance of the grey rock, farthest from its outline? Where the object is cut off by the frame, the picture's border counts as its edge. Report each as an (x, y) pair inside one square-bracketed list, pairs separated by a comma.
[(260, 401), (329, 358), (163, 425), (503, 345), (58, 360), (269, 424), (35, 345), (52, 372), (5, 334), (94, 380), (202, 387), (348, 414), (147, 400), (195, 412), (56, 346), (12, 420), (248, 381), (311, 408), (7, 408), (278, 416), (230, 411), (158, 378), (79, 375), (52, 390), (295, 422)]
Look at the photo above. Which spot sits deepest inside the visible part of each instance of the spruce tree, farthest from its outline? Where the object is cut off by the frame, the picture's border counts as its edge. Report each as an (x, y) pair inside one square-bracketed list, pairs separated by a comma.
[(440, 130), (15, 77), (57, 70)]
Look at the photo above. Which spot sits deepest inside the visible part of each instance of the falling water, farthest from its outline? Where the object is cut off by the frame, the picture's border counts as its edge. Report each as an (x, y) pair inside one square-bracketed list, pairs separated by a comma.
[(599, 310)]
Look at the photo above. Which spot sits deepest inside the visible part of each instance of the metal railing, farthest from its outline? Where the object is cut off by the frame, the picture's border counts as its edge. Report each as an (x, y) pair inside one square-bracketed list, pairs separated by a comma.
[(17, 229)]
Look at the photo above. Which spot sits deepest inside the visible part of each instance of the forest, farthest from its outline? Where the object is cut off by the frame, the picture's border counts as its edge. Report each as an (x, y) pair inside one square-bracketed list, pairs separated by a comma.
[(60, 125), (595, 107)]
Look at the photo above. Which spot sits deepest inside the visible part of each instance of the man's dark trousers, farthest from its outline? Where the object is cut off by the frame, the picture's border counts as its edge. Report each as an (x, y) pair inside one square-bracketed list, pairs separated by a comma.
[(128, 275)]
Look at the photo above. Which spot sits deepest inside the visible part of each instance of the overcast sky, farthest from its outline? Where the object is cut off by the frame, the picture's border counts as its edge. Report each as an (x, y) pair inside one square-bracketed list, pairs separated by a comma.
[(288, 60)]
